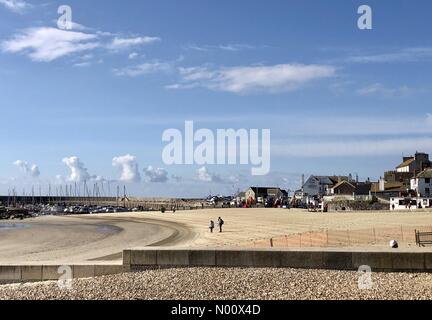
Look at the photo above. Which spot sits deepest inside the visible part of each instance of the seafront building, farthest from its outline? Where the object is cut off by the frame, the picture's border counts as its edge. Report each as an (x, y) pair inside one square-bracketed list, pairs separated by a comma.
[(261, 194), (422, 184), (397, 182), (317, 187)]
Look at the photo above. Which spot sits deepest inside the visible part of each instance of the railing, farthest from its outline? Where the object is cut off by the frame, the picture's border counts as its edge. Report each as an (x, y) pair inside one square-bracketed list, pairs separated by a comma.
[(348, 238), (423, 238)]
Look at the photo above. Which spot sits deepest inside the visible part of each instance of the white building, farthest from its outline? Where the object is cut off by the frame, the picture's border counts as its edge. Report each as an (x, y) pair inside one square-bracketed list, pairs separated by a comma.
[(410, 203), (422, 183), (318, 185), (416, 163)]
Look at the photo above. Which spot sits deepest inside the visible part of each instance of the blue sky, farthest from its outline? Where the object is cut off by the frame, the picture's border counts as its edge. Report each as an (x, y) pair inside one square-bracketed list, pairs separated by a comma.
[(344, 100)]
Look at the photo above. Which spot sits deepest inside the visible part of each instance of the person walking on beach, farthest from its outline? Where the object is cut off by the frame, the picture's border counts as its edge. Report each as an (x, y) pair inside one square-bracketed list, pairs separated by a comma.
[(220, 224), (211, 226)]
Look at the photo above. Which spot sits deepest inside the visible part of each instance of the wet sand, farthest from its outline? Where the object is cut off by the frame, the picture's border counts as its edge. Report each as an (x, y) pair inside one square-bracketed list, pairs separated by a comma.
[(77, 239)]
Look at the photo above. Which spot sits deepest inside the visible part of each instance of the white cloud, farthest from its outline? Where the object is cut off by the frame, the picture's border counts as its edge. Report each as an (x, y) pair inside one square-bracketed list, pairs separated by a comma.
[(31, 170), (133, 55), (195, 47), (48, 44), (125, 43), (156, 174), (60, 179), (357, 125), (129, 168), (144, 68), (235, 179), (276, 78), (197, 73), (45, 44), (235, 47), (78, 171), (83, 64), (98, 179), (378, 89), (226, 47), (80, 27), (17, 6), (429, 119), (206, 176), (176, 178), (402, 55), (371, 147)]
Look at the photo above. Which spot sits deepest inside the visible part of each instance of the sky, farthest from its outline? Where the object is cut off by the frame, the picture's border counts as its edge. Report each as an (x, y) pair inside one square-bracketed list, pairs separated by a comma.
[(92, 103)]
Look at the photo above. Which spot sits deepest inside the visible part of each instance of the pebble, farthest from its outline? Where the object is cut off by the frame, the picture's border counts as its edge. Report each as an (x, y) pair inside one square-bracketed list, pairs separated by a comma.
[(230, 284)]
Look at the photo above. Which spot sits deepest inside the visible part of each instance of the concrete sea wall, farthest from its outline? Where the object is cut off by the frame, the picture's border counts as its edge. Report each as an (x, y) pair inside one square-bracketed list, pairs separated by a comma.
[(136, 259), (142, 258)]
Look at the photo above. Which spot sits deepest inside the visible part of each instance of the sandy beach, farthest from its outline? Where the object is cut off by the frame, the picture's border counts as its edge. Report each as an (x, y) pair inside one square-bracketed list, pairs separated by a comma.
[(98, 238)]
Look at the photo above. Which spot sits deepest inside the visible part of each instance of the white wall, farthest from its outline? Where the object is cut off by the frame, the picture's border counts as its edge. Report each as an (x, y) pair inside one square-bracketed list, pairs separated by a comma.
[(415, 203), (403, 169), (420, 185)]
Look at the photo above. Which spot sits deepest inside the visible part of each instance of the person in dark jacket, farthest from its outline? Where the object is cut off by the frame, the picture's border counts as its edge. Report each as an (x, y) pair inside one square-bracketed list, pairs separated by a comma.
[(220, 224)]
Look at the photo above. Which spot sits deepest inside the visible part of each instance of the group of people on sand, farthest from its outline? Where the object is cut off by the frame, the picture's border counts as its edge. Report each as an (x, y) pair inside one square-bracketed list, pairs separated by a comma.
[(220, 223)]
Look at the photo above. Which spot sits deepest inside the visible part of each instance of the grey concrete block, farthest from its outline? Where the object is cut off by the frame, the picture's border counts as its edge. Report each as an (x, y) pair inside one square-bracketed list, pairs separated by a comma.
[(83, 271), (31, 273), (266, 259), (428, 261), (375, 260), (320, 259), (234, 258), (103, 270), (337, 260), (143, 257), (126, 257), (50, 273), (172, 257), (10, 273), (301, 259), (408, 261), (202, 258)]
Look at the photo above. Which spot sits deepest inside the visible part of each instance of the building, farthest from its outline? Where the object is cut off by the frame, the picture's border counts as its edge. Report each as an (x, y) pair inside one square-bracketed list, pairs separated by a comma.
[(318, 186), (342, 188), (333, 187), (260, 194), (422, 184), (415, 164), (398, 182), (241, 197), (409, 203)]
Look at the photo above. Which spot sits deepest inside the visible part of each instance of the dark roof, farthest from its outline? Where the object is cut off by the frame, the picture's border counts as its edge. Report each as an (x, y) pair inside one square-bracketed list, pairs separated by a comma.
[(324, 180), (363, 188), (263, 190), (406, 163), (425, 174), (336, 179), (394, 186), (343, 182)]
